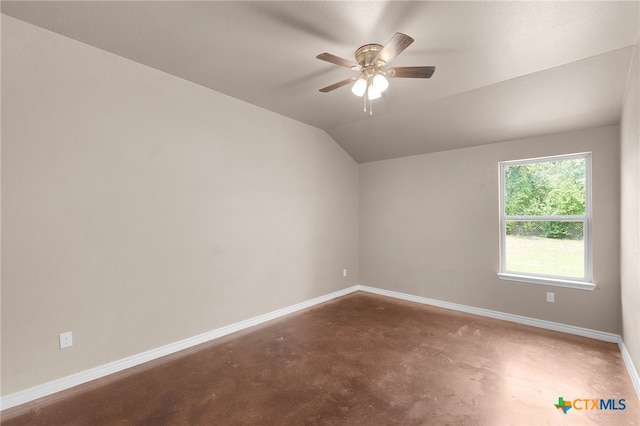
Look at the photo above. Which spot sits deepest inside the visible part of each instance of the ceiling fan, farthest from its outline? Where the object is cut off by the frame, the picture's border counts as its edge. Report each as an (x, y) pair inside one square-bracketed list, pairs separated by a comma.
[(370, 59)]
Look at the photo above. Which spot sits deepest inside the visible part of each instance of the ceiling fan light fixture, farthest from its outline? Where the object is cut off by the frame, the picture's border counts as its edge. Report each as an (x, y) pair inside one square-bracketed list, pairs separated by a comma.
[(373, 93), (380, 82), (359, 87)]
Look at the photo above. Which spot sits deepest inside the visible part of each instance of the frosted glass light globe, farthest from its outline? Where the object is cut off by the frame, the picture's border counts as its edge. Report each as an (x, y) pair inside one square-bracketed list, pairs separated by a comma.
[(359, 87), (373, 93), (380, 82)]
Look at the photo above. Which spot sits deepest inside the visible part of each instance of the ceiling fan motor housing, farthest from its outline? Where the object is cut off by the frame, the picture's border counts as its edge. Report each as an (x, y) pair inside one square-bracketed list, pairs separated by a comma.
[(366, 56)]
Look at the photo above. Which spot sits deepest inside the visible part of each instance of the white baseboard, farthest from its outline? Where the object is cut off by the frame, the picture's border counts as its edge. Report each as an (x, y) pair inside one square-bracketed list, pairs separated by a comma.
[(549, 325), (635, 378), (585, 332), (46, 389)]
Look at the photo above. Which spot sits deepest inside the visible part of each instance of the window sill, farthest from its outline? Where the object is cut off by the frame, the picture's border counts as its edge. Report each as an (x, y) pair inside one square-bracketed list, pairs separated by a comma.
[(558, 282)]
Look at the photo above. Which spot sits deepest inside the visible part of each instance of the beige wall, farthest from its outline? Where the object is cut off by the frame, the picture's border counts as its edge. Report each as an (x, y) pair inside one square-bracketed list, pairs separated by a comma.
[(630, 226), (139, 209), (429, 227)]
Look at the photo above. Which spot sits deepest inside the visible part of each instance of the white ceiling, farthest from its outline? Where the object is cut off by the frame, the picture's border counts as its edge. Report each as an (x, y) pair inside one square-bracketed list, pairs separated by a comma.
[(504, 70)]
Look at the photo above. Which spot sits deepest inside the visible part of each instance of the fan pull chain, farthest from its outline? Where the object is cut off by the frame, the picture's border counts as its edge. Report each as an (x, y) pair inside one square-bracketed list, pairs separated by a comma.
[(365, 98)]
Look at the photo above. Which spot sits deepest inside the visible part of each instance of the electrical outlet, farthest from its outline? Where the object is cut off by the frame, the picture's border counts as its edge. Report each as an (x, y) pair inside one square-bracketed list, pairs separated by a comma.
[(344, 272), (66, 340), (551, 297)]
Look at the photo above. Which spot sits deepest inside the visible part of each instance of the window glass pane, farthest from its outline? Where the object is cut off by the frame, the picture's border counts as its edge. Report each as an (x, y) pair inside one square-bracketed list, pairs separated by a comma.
[(546, 188), (545, 247)]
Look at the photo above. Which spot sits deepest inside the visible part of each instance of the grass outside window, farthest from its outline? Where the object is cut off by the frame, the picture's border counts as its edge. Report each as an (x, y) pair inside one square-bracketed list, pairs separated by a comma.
[(545, 256)]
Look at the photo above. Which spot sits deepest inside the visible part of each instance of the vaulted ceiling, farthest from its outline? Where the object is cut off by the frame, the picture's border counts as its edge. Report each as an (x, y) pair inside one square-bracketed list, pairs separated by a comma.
[(504, 70)]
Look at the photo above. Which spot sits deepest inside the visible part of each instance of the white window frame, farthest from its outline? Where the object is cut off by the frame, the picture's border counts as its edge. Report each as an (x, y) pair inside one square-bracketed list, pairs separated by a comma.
[(585, 283)]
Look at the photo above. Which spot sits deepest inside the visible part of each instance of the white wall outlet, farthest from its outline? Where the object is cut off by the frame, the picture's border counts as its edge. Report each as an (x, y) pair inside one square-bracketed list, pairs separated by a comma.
[(551, 297), (344, 272), (66, 340)]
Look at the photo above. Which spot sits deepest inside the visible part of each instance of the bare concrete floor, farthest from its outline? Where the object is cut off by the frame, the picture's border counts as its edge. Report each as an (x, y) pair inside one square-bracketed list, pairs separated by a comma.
[(361, 359)]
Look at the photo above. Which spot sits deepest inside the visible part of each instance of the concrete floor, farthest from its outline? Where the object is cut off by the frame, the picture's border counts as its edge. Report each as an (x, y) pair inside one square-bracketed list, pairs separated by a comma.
[(361, 359)]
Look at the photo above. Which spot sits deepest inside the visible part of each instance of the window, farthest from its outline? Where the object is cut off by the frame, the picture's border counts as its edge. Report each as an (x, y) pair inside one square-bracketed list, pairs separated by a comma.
[(545, 221)]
